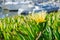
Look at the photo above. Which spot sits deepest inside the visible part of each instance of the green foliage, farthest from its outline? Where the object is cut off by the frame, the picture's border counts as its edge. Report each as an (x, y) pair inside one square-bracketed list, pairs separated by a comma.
[(24, 28)]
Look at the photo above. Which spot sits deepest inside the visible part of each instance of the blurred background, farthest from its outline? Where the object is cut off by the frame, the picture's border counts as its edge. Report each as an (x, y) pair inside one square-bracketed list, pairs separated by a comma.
[(14, 7)]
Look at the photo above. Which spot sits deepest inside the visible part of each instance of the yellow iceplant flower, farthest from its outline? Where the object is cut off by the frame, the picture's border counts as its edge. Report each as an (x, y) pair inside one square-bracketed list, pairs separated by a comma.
[(40, 17)]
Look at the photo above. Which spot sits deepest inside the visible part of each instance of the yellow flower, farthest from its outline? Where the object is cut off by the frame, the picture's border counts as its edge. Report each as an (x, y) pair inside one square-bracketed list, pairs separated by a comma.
[(39, 17)]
